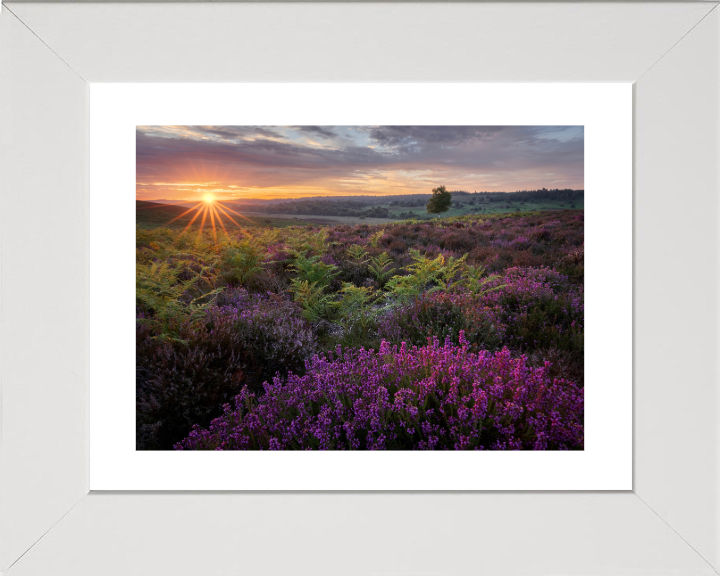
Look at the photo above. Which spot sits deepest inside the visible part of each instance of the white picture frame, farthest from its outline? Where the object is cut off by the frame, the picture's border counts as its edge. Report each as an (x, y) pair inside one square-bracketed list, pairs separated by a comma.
[(50, 523)]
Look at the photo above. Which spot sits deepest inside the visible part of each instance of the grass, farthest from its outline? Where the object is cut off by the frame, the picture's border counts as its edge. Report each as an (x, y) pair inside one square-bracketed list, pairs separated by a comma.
[(321, 219), (463, 209)]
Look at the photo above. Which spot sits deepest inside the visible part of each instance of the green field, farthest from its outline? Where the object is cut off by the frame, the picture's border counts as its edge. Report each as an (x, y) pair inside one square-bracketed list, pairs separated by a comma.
[(460, 208)]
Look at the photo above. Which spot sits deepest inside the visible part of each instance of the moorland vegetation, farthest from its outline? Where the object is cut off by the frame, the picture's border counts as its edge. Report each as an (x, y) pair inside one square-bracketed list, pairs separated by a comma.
[(455, 333)]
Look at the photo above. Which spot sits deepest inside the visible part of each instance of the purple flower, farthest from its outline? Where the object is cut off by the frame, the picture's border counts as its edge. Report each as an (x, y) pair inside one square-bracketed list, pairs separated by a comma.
[(427, 398)]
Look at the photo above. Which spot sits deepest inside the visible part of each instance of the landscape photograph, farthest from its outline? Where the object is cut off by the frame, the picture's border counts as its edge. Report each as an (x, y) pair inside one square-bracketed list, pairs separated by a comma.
[(359, 288)]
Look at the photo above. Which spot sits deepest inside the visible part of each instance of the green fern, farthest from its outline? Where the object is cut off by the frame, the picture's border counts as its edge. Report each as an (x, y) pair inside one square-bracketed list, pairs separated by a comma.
[(310, 298), (160, 292), (358, 254), (426, 275), (312, 270), (380, 268), (242, 261), (304, 241), (424, 272), (375, 238), (450, 270), (473, 280), (355, 305)]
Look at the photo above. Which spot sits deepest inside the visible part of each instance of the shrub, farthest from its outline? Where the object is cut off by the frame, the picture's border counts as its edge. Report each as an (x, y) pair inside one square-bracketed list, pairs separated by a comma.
[(244, 340), (242, 262), (426, 274), (380, 268), (542, 310), (573, 263), (311, 298), (398, 398), (397, 246), (180, 384), (168, 292), (458, 241), (313, 270), (541, 235), (443, 316), (357, 316), (272, 327)]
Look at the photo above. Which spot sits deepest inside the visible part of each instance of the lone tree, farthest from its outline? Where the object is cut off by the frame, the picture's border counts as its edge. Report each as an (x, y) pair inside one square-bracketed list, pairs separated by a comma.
[(440, 201)]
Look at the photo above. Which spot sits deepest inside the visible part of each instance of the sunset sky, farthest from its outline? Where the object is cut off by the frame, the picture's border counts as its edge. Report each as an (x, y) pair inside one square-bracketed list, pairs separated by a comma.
[(187, 163)]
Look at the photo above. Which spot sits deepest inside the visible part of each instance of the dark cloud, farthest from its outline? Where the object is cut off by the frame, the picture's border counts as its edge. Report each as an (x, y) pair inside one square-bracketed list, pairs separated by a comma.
[(322, 131), (223, 132), (158, 151), (236, 132), (413, 135)]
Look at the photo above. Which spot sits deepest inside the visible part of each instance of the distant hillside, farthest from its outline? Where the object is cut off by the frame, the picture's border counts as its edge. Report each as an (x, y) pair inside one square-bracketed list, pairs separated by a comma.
[(395, 207), (159, 213)]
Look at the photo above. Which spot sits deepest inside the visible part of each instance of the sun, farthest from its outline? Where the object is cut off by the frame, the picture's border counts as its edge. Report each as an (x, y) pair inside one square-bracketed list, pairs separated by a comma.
[(213, 211)]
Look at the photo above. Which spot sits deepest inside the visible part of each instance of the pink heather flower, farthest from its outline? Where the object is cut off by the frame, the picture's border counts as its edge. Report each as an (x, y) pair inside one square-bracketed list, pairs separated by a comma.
[(426, 398)]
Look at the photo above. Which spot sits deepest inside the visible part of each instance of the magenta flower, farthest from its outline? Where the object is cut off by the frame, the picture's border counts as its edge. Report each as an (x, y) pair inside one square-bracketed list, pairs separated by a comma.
[(427, 398)]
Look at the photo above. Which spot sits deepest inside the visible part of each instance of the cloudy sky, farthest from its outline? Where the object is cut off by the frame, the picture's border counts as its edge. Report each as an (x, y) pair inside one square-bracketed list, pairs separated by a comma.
[(235, 162)]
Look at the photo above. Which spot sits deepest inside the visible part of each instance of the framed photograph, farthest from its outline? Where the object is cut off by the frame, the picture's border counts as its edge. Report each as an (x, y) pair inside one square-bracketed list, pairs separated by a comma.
[(305, 218), (290, 297)]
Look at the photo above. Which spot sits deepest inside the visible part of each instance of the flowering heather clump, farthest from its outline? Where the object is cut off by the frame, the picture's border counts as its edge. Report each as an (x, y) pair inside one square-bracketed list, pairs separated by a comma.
[(270, 325), (443, 316), (520, 243), (573, 263), (178, 385), (527, 286), (528, 290), (184, 381), (425, 398), (541, 309), (277, 254)]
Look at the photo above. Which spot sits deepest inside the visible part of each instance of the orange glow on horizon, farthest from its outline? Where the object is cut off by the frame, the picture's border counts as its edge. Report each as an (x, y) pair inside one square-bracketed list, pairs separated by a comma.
[(275, 194)]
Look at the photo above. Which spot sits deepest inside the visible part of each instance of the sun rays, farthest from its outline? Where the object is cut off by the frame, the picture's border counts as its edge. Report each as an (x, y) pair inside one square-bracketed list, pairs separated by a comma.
[(213, 212)]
